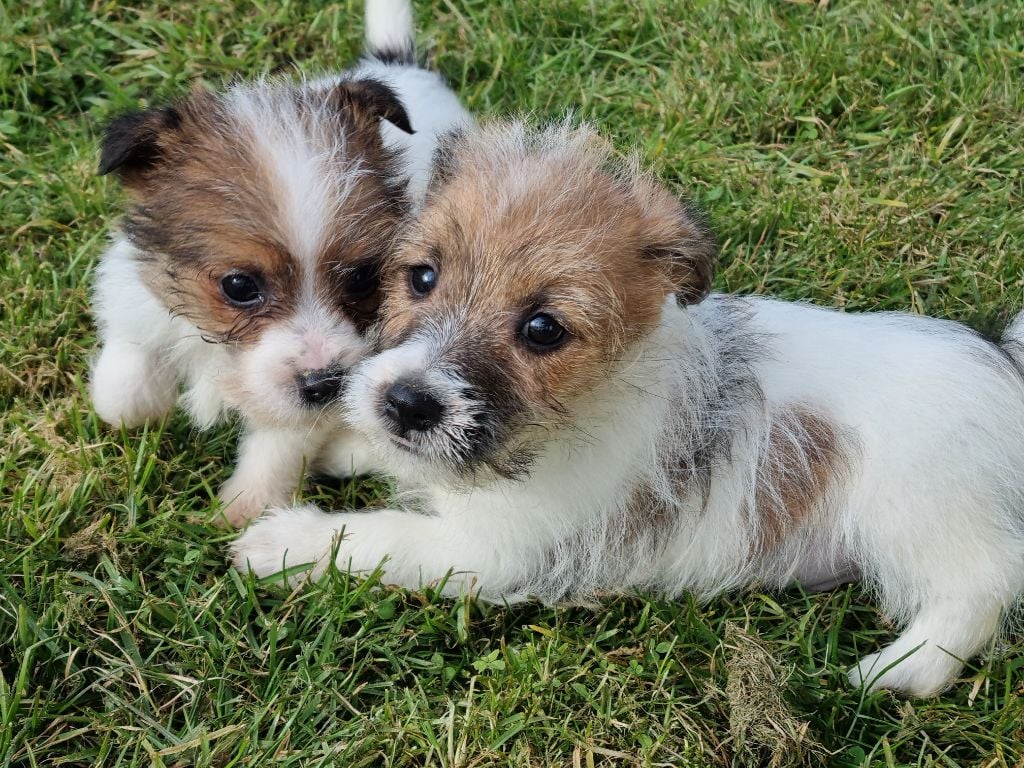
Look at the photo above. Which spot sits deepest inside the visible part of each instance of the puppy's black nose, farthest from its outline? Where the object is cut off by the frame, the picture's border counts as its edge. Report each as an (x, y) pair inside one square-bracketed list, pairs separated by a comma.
[(319, 387), (412, 408)]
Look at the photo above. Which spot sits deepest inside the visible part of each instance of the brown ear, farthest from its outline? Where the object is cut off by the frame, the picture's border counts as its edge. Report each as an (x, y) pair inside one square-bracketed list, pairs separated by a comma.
[(131, 144), (678, 236), (368, 97)]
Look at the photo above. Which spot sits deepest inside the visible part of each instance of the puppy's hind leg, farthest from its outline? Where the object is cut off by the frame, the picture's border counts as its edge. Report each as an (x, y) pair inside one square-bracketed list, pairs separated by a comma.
[(932, 650), (953, 576)]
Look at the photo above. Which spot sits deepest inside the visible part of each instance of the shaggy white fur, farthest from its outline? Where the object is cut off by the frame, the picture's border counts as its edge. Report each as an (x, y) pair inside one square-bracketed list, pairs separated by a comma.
[(147, 350), (925, 501)]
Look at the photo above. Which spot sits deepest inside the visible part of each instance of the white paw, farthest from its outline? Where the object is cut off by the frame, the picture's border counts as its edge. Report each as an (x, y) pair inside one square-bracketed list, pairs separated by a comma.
[(203, 401), (129, 387), (285, 539), (348, 454), (865, 672), (924, 672), (241, 501)]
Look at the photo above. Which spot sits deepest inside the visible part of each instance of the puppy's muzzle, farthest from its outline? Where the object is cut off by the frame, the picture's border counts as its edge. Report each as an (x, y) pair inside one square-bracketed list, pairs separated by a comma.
[(319, 387), (410, 408)]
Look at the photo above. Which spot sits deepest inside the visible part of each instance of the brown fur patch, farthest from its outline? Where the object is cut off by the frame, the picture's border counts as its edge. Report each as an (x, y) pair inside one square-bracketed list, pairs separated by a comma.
[(801, 463), (208, 200), (516, 226)]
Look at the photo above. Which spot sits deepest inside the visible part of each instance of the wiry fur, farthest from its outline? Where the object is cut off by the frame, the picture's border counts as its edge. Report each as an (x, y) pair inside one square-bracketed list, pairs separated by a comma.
[(301, 183), (672, 446)]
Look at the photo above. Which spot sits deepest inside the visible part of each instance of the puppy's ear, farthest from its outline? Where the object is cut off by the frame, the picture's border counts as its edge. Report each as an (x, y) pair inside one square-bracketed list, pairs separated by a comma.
[(368, 97), (444, 163), (678, 236), (131, 144)]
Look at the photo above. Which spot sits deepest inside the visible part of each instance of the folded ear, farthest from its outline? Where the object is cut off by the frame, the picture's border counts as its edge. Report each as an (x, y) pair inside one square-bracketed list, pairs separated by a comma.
[(371, 98), (444, 164), (131, 144), (678, 236)]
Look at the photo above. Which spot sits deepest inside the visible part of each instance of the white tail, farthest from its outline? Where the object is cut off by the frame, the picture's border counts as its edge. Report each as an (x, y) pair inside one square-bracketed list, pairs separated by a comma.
[(390, 37), (1013, 339)]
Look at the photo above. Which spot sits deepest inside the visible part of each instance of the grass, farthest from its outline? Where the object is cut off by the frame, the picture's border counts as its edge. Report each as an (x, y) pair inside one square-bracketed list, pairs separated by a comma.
[(857, 153)]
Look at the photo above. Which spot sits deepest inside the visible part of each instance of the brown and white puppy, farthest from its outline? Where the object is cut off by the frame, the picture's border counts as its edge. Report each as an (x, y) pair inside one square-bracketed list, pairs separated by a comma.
[(576, 415), (247, 265)]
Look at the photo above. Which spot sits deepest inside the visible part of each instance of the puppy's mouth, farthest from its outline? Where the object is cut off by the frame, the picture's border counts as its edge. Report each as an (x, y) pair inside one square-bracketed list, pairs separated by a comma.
[(404, 443)]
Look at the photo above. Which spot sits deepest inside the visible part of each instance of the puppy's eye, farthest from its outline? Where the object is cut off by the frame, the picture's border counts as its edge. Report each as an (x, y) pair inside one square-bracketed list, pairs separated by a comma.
[(422, 279), (543, 331), (362, 282), (241, 289)]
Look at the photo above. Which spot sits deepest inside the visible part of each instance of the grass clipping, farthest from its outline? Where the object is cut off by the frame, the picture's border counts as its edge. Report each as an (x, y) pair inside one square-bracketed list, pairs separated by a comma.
[(763, 728)]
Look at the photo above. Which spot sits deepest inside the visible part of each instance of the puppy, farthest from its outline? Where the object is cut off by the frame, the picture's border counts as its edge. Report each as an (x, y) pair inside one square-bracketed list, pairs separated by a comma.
[(247, 266), (576, 416)]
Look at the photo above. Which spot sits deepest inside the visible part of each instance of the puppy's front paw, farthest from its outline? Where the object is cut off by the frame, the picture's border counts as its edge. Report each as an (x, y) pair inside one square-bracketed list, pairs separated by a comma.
[(241, 502), (285, 539), (128, 387), (346, 455)]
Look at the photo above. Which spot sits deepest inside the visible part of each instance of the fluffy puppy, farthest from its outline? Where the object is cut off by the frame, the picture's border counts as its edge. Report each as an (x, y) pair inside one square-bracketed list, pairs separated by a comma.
[(576, 415), (247, 266)]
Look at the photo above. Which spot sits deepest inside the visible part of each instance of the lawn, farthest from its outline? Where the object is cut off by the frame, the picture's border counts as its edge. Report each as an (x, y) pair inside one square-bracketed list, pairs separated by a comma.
[(859, 154)]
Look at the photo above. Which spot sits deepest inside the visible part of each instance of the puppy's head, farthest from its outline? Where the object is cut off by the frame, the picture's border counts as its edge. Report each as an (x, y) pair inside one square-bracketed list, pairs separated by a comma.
[(261, 215), (538, 260)]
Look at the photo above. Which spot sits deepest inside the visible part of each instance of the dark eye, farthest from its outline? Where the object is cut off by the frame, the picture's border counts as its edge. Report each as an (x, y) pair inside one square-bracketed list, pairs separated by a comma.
[(241, 289), (543, 331), (361, 282), (422, 279)]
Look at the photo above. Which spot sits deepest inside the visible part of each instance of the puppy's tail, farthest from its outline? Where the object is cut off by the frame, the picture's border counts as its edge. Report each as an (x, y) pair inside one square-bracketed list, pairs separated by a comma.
[(390, 37), (1012, 341)]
